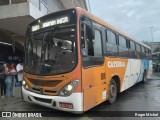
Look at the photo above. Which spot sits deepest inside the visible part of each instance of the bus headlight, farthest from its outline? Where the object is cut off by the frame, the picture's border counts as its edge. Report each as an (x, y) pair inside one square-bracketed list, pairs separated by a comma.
[(24, 84), (69, 88)]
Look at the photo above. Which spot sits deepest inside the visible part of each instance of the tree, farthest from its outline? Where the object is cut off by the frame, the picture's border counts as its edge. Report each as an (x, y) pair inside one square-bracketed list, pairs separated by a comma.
[(157, 49)]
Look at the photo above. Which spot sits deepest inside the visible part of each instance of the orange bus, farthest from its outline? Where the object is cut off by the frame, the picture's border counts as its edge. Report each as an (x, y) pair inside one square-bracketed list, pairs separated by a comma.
[(75, 61)]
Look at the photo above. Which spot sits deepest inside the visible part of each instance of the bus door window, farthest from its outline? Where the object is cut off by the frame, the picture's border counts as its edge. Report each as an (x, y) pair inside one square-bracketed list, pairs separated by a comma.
[(84, 47), (92, 43)]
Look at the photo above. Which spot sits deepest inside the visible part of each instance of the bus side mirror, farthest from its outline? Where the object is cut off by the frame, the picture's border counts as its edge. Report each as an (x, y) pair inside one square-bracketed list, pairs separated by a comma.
[(90, 32)]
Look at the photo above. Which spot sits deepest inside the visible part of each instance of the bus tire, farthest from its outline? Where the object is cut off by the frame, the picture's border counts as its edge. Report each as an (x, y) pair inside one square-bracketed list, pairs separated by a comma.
[(112, 94)]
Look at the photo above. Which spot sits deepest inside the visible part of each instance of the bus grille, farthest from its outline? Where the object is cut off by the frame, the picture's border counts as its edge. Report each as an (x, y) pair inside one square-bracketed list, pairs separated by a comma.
[(45, 83), (43, 100)]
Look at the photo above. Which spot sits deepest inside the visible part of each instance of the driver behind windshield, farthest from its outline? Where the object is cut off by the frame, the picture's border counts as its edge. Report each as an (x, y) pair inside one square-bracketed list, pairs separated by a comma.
[(55, 51)]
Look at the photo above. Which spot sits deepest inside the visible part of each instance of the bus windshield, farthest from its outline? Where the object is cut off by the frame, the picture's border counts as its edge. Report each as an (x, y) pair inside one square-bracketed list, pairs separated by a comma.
[(51, 52)]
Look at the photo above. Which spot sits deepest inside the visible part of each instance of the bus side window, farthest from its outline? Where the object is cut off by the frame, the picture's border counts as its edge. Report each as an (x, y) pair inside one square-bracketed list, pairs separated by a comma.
[(146, 53), (138, 51), (132, 50), (149, 54), (123, 49), (111, 44), (143, 52)]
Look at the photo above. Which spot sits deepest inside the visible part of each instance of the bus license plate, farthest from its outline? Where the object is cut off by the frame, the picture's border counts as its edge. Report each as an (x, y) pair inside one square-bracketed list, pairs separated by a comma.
[(66, 105)]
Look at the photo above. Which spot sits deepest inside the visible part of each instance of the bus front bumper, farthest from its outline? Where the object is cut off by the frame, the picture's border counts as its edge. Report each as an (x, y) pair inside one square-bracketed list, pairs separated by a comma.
[(72, 103)]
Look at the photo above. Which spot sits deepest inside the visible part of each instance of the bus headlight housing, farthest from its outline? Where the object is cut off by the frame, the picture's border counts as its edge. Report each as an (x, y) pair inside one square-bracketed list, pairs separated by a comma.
[(69, 88)]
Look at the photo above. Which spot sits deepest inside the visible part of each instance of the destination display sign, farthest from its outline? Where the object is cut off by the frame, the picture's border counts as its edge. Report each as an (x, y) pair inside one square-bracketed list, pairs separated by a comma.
[(60, 18), (53, 22)]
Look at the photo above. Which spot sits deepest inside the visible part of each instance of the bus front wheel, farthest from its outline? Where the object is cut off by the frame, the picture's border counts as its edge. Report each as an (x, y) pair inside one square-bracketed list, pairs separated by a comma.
[(112, 95)]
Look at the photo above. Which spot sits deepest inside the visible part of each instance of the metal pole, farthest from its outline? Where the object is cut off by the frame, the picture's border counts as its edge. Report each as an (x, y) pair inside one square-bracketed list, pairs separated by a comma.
[(152, 38), (89, 6), (10, 2)]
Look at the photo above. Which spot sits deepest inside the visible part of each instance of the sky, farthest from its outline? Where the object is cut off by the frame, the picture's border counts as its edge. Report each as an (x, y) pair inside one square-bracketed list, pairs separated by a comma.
[(134, 17)]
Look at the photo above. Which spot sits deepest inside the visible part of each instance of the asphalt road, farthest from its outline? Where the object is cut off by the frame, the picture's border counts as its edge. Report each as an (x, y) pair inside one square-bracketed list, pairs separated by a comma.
[(141, 97)]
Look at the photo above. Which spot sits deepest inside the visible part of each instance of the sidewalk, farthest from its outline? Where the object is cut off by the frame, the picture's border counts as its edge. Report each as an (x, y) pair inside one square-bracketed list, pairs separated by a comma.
[(154, 76), (17, 94)]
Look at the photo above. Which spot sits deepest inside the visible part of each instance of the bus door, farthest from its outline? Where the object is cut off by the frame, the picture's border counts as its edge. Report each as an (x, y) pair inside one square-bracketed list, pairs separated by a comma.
[(93, 66)]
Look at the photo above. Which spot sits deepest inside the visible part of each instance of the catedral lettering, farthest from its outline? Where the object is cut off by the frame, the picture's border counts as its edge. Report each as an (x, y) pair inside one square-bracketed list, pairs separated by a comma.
[(69, 61), (116, 64)]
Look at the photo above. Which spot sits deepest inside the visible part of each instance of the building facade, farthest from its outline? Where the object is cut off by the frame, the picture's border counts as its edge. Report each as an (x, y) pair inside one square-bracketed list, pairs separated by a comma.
[(15, 15), (153, 45)]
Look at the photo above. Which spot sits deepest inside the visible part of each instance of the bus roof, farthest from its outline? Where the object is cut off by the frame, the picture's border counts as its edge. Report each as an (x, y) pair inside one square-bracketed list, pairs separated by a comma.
[(98, 20), (104, 23)]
